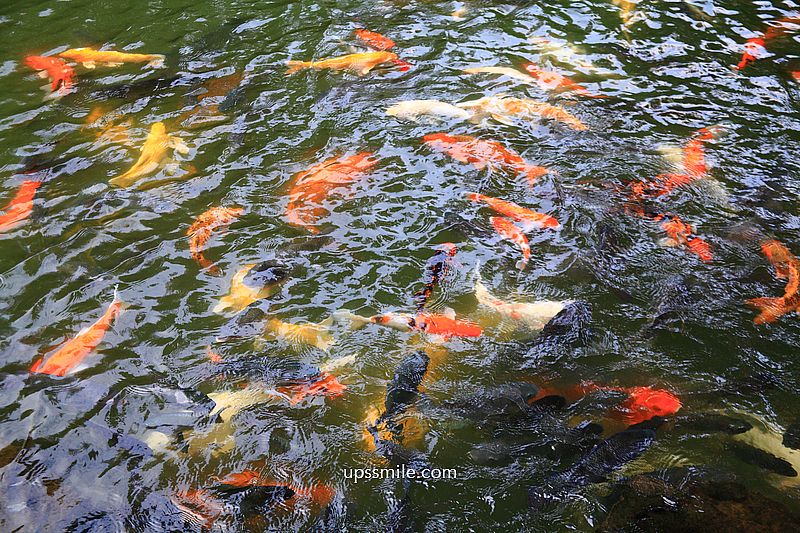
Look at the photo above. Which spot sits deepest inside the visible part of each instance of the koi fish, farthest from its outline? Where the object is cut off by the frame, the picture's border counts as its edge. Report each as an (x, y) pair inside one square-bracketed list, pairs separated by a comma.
[(414, 110), (756, 47), (154, 152), (318, 494), (90, 57), (482, 153), (374, 40), (681, 234), (563, 52), (309, 189), (510, 232), (229, 403), (436, 269), (529, 219), (361, 63), (110, 127), (433, 324), (548, 80), (324, 384), (505, 108), (787, 267), (19, 208), (310, 334), (251, 283), (204, 225), (502, 71), (533, 314), (75, 350), (61, 74)]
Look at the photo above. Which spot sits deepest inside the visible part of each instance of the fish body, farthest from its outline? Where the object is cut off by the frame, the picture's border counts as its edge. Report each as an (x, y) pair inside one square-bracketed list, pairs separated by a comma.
[(645, 403), (229, 403), (436, 269), (90, 57), (154, 153), (71, 354), (203, 228), (533, 314), (548, 80), (432, 324), (374, 40), (529, 219), (61, 74), (415, 110), (251, 283), (309, 189), (361, 63), (506, 229), (325, 384), (309, 334), (502, 71), (19, 208), (482, 153), (505, 108), (787, 267)]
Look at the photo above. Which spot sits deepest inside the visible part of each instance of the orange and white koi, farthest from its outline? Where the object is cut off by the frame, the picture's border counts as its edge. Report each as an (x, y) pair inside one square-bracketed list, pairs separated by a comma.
[(90, 57), (71, 354), (61, 74), (502, 71), (374, 40), (787, 267), (506, 228), (433, 324), (309, 189), (505, 108), (19, 208), (482, 153), (361, 63), (756, 47), (549, 80), (204, 226), (415, 110), (154, 154), (529, 219), (324, 384)]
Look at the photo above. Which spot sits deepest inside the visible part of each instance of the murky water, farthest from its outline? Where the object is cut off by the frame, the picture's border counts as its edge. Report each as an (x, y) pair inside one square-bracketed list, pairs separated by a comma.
[(73, 450)]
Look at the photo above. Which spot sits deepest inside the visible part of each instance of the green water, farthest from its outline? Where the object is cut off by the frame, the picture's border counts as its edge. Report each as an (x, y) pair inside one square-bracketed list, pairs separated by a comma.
[(669, 75)]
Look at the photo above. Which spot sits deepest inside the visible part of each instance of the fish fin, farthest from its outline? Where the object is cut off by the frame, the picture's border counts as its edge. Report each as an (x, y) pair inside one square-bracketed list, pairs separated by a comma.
[(478, 271), (668, 242), (222, 305), (364, 70), (521, 264), (37, 364), (502, 119), (295, 66), (328, 322), (770, 308), (533, 173), (449, 312), (112, 64), (42, 74), (157, 62), (89, 64), (470, 103)]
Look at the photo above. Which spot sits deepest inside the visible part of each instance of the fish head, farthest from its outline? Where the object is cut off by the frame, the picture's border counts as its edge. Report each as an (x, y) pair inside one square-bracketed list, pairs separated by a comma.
[(645, 401)]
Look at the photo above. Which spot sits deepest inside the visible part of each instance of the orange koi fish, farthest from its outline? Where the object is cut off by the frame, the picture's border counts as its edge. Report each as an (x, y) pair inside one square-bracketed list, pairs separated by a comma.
[(433, 324), (374, 40), (200, 231), (89, 57), (318, 494), (555, 82), (20, 207), (787, 267), (529, 219), (75, 350), (324, 384), (756, 47), (60, 73), (482, 153), (509, 231), (361, 63), (436, 269), (309, 189), (682, 234)]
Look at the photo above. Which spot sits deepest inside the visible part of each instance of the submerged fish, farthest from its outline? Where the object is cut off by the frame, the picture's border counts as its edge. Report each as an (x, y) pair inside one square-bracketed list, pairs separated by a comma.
[(436, 269), (204, 226), (505, 108), (374, 40), (71, 354), (154, 154), (309, 189), (681, 234), (548, 80), (19, 208), (482, 153), (433, 324), (506, 228), (361, 63), (90, 57), (229, 403), (61, 75), (325, 384), (502, 71), (787, 267), (756, 47), (529, 219), (310, 334), (533, 314), (414, 110), (251, 283)]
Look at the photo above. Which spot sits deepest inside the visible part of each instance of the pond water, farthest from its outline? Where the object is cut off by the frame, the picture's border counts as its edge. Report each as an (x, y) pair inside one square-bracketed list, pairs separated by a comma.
[(134, 438)]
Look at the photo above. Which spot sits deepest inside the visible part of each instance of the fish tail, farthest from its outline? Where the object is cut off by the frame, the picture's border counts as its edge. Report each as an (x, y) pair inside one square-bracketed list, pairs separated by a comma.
[(771, 309), (474, 196), (533, 173), (157, 61), (356, 321), (37, 365), (295, 66)]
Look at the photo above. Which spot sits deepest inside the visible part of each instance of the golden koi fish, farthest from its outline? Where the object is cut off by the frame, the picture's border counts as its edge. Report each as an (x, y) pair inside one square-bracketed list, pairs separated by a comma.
[(310, 334), (504, 108), (154, 153), (361, 63), (251, 283), (89, 57), (229, 403)]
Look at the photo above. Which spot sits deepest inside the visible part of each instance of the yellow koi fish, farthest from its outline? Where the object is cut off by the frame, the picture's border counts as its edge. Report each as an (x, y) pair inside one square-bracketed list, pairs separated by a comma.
[(154, 153), (361, 63), (504, 108), (310, 334), (89, 58), (251, 283)]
